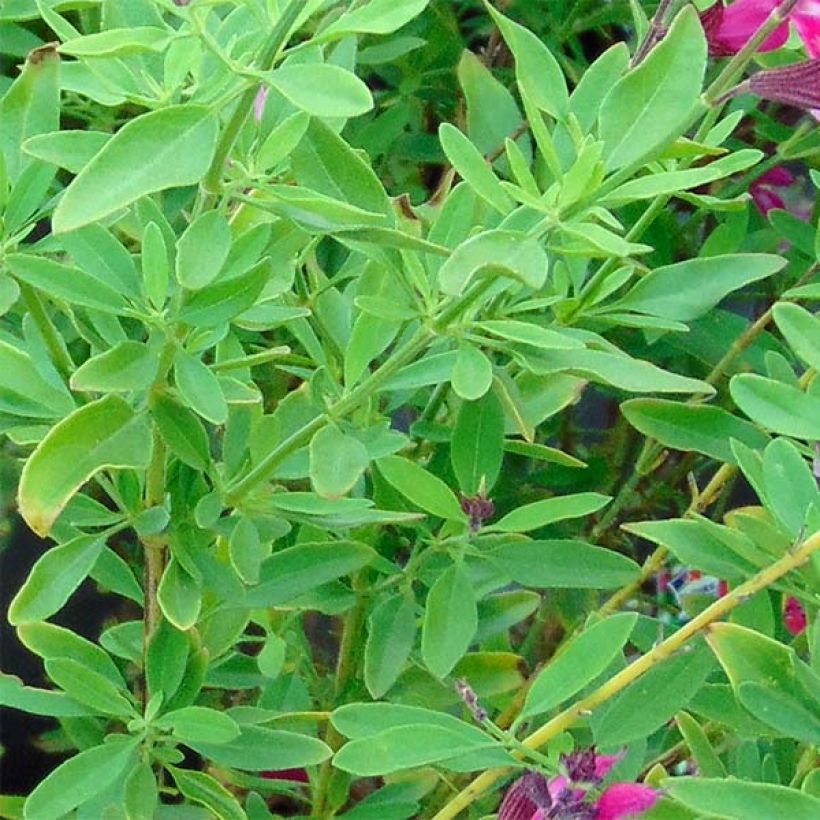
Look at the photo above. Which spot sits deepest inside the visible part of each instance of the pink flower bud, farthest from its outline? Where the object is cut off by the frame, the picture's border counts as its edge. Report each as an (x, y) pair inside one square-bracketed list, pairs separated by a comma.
[(794, 616), (622, 800)]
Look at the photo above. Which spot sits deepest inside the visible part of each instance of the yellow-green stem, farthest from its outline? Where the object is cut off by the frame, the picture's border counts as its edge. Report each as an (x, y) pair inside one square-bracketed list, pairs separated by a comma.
[(581, 708)]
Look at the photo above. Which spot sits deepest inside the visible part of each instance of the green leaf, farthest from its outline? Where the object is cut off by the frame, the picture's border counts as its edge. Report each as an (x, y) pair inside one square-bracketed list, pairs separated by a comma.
[(199, 724), (377, 17), (450, 621), (259, 749), (126, 366), (529, 333), (477, 446), (492, 113), (225, 299), (472, 373), (563, 564), (801, 330), (403, 747), (174, 146), (538, 74), (495, 252), (116, 42), (749, 657), (51, 641), (200, 388), (687, 290), (14, 695), (699, 544), (65, 282), (701, 428), (99, 253), (789, 486), (291, 572), (79, 779), (671, 182), (579, 662), (324, 162), (391, 634), (203, 789), (741, 800), (780, 710), (72, 150), (337, 462), (181, 430), (31, 105), (782, 408), (141, 796), (322, 90), (619, 370), (653, 104), (89, 687), (246, 550), (421, 487), (651, 700), (54, 578), (282, 140), (473, 168), (705, 756), (165, 661), (202, 250), (542, 513), (179, 596), (102, 434), (156, 269)]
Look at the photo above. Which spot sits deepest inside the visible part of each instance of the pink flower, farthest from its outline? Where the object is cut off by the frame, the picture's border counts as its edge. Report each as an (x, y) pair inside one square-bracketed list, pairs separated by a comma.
[(534, 797), (794, 616), (764, 189), (729, 28), (624, 800)]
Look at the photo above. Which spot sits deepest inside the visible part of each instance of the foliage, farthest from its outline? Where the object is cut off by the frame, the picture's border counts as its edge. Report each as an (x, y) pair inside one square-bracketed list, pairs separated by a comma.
[(338, 339)]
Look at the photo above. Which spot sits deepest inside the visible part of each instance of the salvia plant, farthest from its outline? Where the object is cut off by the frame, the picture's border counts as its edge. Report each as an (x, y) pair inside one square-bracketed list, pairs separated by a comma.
[(427, 393)]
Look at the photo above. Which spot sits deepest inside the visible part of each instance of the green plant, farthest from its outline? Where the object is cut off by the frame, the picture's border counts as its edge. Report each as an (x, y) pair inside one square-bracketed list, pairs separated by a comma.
[(330, 443)]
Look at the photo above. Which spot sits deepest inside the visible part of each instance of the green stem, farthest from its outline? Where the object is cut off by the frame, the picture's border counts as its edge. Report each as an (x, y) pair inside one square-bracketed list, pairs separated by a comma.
[(154, 545), (569, 716), (356, 397), (345, 672), (54, 341), (212, 182)]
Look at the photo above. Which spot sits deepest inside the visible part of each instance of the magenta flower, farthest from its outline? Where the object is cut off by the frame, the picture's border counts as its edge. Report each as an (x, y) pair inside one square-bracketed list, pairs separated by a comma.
[(729, 28), (794, 616), (764, 189), (534, 797), (624, 800)]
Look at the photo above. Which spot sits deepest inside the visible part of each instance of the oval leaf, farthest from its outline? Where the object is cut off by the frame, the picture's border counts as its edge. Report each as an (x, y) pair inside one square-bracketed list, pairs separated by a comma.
[(105, 433), (162, 149)]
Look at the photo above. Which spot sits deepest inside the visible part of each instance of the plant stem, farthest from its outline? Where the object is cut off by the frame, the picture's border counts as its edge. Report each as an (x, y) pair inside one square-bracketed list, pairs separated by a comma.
[(54, 341), (345, 670), (581, 708), (212, 181), (356, 397), (154, 545)]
